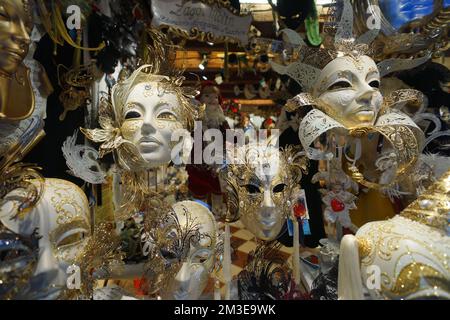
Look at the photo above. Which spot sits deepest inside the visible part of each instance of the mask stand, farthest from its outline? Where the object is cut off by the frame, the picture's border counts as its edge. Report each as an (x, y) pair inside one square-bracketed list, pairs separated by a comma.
[(227, 262), (296, 254)]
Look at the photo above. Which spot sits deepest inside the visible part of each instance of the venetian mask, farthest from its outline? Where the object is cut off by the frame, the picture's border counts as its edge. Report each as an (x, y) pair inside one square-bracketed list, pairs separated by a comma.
[(185, 251), (145, 109), (260, 189), (267, 276), (16, 94), (347, 90), (406, 257), (61, 218), (18, 259), (15, 29), (150, 116)]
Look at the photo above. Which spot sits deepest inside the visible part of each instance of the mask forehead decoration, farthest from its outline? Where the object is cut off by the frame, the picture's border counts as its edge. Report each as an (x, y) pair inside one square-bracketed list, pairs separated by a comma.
[(307, 68)]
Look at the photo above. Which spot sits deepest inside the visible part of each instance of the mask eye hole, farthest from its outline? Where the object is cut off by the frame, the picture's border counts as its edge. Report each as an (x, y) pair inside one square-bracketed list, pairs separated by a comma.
[(374, 84), (3, 13), (71, 239), (340, 85), (279, 188), (132, 114), (167, 115), (201, 256), (168, 254), (251, 188), (12, 254)]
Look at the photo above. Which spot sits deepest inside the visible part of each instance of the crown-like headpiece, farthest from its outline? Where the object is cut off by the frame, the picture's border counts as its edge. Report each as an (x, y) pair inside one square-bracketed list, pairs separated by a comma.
[(311, 60)]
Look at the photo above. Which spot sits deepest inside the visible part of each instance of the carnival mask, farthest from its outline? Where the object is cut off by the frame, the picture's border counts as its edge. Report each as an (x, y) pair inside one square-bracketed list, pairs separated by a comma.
[(267, 276), (185, 251), (61, 218), (347, 90), (15, 29), (262, 188), (410, 250), (18, 259), (150, 116), (16, 94)]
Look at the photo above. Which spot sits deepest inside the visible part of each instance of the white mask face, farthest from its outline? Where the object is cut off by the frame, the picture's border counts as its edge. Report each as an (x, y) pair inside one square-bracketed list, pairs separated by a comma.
[(150, 116), (262, 213), (347, 90), (262, 190), (193, 275), (61, 219)]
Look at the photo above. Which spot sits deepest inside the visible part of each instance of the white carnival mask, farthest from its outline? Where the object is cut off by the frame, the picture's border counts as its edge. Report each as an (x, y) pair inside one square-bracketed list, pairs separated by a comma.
[(61, 219), (347, 90), (261, 184), (150, 116), (184, 251)]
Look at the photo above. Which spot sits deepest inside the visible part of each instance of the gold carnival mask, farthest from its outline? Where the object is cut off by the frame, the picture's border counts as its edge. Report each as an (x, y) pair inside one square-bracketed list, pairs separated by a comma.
[(16, 97), (146, 108), (260, 188)]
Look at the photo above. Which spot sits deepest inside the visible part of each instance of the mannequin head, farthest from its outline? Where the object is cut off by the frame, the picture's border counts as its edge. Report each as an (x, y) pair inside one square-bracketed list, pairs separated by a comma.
[(210, 95), (347, 90), (61, 218), (15, 29), (187, 249)]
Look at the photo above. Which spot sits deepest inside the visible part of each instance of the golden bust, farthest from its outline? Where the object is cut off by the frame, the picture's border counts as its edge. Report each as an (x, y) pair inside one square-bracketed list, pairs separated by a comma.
[(16, 95)]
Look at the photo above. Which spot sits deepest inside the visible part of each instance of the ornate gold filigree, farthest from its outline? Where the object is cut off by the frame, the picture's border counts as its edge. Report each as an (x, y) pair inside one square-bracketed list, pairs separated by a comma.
[(100, 252), (432, 207)]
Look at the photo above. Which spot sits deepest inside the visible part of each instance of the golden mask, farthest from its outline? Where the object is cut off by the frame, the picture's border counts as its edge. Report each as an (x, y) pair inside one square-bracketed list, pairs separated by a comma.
[(16, 95)]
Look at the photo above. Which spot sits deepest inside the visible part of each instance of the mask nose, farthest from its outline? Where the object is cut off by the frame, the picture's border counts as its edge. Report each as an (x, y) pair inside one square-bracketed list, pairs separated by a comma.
[(148, 127), (184, 277), (267, 202), (367, 97)]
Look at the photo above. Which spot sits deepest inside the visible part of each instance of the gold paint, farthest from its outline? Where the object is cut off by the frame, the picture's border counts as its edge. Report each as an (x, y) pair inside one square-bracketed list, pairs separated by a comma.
[(364, 248), (408, 281), (16, 93), (130, 127)]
